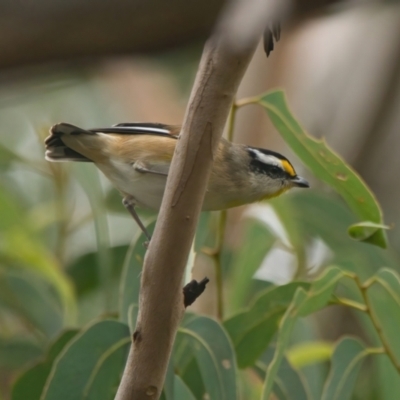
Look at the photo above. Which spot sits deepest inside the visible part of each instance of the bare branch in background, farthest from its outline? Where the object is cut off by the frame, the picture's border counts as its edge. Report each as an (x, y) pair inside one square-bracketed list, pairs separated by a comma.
[(46, 31), (68, 31)]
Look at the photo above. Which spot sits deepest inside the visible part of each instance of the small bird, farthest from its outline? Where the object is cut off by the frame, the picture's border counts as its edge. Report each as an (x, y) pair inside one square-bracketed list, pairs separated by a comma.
[(136, 158)]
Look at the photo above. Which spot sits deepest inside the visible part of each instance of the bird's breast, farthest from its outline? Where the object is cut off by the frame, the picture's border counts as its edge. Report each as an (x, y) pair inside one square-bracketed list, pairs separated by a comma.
[(146, 188)]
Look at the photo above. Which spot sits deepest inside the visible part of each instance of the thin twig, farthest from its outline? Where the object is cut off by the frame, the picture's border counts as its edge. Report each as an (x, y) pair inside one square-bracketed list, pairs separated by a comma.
[(216, 253)]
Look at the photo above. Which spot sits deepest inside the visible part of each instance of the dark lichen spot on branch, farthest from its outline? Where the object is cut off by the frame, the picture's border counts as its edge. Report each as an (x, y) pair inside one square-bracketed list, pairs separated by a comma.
[(193, 290), (137, 337), (271, 32)]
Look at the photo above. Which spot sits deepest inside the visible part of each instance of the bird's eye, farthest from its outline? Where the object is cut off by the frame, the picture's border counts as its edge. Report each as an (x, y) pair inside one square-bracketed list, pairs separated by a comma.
[(275, 169)]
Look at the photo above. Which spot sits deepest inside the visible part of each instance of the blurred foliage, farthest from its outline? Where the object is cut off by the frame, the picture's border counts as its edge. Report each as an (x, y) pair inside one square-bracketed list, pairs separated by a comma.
[(70, 276)]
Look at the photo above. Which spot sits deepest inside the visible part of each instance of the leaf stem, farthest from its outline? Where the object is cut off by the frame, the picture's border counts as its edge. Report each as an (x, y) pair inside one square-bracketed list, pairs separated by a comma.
[(218, 264), (350, 303), (216, 253), (231, 121), (246, 101)]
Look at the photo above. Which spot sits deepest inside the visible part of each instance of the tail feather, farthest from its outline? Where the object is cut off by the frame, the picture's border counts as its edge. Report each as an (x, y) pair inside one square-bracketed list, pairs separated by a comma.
[(57, 150), (66, 142)]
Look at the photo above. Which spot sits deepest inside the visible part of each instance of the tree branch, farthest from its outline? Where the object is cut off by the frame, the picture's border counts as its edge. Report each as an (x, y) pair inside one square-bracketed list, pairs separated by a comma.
[(161, 305)]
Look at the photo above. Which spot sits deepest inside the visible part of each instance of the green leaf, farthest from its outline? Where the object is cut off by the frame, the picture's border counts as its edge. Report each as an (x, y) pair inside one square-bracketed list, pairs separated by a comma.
[(89, 179), (113, 202), (285, 330), (32, 299), (390, 279), (303, 304), (387, 379), (131, 273), (192, 376), (320, 292), (308, 353), (21, 247), (169, 384), (331, 226), (206, 341), (31, 383), (87, 358), (16, 352), (325, 163), (206, 230), (85, 270), (289, 384), (252, 330), (104, 380), (257, 242), (346, 364), (366, 231), (181, 391), (384, 299)]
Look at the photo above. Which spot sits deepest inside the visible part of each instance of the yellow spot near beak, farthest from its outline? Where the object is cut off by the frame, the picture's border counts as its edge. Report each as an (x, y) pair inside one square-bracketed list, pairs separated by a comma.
[(288, 168)]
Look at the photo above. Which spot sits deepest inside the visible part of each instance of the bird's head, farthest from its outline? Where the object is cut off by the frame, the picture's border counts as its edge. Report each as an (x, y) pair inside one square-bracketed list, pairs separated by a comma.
[(272, 173)]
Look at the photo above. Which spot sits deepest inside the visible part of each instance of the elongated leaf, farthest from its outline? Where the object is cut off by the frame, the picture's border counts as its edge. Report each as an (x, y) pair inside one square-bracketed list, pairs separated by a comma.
[(16, 352), (384, 298), (346, 364), (366, 231), (327, 217), (325, 163), (206, 230), (303, 304), (257, 242), (391, 280), (131, 272), (252, 330), (84, 271), (89, 179), (308, 353), (387, 379), (289, 384), (33, 299), (320, 292), (181, 391), (169, 384), (208, 343), (106, 375), (192, 376), (31, 383), (285, 330), (21, 247), (76, 371)]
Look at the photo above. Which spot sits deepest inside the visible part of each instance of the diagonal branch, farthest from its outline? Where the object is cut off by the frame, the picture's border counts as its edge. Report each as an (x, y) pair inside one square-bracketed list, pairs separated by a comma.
[(161, 306)]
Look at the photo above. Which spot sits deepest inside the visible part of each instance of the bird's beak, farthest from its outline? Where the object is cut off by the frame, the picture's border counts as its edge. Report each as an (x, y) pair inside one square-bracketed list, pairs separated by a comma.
[(300, 182)]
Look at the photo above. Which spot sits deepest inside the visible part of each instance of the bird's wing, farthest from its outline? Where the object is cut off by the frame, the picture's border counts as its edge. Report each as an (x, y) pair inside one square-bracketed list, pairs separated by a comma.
[(141, 128)]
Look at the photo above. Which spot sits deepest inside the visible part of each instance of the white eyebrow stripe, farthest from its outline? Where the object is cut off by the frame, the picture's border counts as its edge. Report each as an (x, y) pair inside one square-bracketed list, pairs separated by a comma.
[(268, 159)]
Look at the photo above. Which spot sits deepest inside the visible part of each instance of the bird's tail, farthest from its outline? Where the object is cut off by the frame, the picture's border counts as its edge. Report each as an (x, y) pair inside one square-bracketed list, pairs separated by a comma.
[(57, 148)]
